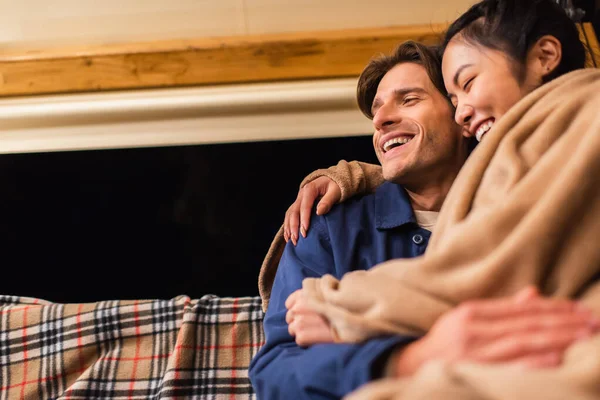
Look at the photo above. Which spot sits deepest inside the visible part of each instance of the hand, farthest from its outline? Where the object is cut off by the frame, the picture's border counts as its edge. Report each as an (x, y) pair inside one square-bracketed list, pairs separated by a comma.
[(304, 324), (526, 329), (299, 212)]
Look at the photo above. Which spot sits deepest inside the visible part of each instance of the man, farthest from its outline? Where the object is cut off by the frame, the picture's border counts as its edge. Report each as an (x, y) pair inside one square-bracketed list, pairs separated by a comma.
[(421, 151), (362, 233)]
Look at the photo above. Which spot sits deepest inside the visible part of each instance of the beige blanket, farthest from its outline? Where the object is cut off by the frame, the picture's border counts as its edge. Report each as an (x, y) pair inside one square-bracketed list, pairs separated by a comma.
[(525, 209)]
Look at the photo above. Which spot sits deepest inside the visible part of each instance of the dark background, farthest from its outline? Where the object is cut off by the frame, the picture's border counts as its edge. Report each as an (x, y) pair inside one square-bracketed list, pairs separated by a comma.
[(154, 222)]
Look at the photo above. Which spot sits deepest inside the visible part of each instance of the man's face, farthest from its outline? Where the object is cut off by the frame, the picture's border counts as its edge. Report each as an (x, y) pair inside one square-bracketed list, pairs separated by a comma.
[(415, 136)]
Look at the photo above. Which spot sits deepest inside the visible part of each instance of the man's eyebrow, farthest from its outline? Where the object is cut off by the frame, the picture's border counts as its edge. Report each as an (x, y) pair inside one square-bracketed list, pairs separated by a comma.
[(458, 72), (399, 93), (405, 91)]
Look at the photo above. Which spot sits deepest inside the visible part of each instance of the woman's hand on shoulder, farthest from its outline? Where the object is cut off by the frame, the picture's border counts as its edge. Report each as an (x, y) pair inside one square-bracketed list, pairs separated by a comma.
[(297, 217)]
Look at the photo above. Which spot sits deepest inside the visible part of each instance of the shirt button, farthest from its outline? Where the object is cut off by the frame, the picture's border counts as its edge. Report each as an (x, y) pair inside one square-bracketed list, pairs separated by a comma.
[(418, 239)]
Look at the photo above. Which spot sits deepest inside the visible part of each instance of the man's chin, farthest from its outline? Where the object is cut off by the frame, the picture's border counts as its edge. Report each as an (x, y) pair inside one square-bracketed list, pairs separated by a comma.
[(402, 172), (396, 175)]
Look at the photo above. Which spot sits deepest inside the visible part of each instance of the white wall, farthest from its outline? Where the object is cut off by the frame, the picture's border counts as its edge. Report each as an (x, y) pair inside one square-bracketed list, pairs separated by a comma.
[(35, 23)]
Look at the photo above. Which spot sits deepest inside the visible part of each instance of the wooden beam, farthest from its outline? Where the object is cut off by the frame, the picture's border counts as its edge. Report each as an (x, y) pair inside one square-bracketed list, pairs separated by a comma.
[(210, 61), (206, 61), (593, 46)]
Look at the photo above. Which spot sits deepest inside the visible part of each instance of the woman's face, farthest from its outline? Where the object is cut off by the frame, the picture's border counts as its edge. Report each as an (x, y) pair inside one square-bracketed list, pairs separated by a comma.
[(482, 85)]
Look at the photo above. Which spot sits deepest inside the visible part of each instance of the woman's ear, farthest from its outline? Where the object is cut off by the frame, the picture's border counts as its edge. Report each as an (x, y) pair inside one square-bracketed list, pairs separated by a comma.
[(545, 56)]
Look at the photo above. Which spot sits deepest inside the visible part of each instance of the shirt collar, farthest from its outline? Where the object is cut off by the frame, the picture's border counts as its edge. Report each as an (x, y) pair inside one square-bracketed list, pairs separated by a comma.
[(392, 207)]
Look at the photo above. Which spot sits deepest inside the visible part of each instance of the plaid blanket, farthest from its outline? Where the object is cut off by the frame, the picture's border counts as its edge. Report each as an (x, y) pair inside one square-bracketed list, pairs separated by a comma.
[(160, 349)]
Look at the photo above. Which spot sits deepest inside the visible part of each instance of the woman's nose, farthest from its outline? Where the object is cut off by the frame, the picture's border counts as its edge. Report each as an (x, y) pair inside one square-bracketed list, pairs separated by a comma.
[(463, 115)]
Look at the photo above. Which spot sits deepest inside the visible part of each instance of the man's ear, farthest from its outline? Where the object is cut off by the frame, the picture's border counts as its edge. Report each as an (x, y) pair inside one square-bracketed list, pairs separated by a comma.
[(545, 56)]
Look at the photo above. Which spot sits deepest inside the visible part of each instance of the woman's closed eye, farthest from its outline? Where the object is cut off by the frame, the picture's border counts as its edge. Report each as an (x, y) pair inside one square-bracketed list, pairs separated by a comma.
[(468, 84)]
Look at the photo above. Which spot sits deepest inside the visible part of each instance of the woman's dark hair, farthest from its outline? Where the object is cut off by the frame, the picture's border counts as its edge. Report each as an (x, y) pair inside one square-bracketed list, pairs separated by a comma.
[(409, 51), (514, 26)]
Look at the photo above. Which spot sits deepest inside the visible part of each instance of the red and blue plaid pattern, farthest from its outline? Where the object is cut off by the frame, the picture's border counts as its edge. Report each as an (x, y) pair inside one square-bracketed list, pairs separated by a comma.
[(160, 349)]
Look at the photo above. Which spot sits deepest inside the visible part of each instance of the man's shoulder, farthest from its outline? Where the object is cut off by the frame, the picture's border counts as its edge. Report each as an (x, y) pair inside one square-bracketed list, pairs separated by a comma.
[(366, 203), (360, 203)]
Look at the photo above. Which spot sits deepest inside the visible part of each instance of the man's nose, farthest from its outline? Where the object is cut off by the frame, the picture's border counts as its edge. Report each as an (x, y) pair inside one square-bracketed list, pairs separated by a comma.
[(464, 115), (385, 115)]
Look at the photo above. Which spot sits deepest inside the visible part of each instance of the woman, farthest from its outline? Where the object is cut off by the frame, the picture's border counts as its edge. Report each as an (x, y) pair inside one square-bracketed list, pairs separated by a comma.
[(525, 202), (518, 25)]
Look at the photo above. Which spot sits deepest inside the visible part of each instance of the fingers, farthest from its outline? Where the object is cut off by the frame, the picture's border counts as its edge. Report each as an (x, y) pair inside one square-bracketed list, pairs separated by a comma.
[(290, 222), (294, 225), (331, 197), (301, 208), (304, 324), (296, 305), (509, 308), (297, 216), (289, 317), (286, 226), (308, 200), (542, 360), (287, 231), (309, 329), (526, 294), (526, 329), (292, 298), (526, 345), (536, 323)]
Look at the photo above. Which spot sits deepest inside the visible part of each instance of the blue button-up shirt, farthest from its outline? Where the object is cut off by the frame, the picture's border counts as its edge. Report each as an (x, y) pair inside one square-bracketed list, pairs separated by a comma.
[(355, 235)]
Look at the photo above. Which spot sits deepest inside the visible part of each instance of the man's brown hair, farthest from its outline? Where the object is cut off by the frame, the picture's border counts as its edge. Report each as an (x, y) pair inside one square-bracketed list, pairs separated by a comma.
[(410, 51)]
